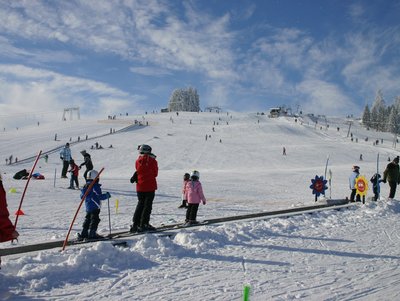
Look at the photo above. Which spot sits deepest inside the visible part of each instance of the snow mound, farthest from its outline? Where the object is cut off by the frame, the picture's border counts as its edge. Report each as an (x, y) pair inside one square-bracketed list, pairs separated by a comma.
[(49, 269)]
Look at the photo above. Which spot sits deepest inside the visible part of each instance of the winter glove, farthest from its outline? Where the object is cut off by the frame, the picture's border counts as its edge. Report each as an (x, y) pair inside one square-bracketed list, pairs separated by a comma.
[(134, 178), (108, 195), (61, 158), (204, 202), (384, 181)]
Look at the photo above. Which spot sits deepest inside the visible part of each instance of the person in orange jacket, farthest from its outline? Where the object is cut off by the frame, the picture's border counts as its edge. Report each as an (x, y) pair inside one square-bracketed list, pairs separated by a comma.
[(146, 184)]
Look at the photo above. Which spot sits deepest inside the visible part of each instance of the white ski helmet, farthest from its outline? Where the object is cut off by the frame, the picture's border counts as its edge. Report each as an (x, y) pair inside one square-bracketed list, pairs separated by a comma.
[(195, 173), (92, 174)]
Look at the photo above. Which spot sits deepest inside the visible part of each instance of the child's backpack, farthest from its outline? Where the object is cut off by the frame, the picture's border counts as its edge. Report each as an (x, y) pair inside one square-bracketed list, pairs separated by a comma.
[(22, 174), (375, 178)]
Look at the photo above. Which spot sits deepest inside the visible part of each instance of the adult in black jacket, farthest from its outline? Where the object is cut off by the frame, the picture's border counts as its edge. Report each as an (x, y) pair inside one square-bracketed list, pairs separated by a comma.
[(392, 175), (87, 162)]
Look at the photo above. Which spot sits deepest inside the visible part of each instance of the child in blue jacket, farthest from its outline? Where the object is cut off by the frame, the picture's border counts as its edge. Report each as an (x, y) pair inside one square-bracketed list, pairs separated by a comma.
[(93, 205)]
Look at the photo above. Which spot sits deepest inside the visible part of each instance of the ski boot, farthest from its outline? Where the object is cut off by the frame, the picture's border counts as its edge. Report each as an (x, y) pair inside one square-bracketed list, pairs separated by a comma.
[(134, 229)]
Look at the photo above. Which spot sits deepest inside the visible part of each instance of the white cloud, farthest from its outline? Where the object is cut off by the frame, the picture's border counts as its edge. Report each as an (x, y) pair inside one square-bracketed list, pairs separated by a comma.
[(35, 56), (356, 11), (27, 89), (324, 98), (150, 71), (369, 66), (157, 38), (134, 30)]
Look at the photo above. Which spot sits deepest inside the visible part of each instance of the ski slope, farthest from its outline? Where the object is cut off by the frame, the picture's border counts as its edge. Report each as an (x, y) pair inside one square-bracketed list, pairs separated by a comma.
[(333, 255)]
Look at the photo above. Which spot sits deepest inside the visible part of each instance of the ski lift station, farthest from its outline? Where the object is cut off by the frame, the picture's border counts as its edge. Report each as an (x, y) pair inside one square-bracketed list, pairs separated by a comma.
[(279, 111), (275, 112)]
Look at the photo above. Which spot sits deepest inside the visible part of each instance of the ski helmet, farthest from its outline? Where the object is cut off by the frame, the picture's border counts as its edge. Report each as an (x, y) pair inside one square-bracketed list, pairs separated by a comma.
[(186, 176), (92, 174), (356, 168), (145, 149), (195, 173)]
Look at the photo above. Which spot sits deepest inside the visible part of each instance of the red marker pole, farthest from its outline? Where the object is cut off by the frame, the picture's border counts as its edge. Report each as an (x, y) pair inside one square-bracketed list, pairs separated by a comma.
[(26, 186)]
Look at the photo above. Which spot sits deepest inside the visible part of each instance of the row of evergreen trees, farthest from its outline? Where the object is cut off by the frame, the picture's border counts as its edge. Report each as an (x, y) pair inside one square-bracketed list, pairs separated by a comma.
[(381, 117)]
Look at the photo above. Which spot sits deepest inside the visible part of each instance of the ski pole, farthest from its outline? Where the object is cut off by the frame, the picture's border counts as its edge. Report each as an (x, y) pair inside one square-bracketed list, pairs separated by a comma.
[(55, 176), (109, 215)]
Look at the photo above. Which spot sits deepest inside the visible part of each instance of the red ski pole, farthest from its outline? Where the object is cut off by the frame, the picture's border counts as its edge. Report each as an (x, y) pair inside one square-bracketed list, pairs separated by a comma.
[(26, 186), (79, 207)]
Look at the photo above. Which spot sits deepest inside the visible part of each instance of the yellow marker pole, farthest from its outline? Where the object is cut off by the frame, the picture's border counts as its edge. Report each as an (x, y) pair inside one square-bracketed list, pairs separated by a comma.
[(116, 206)]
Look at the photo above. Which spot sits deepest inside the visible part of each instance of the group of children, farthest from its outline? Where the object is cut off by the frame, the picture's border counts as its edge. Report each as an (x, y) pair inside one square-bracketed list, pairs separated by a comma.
[(391, 175), (74, 168), (192, 196)]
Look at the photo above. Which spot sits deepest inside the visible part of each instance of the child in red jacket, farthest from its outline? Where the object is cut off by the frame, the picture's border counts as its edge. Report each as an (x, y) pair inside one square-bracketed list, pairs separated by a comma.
[(7, 229), (74, 175), (146, 184)]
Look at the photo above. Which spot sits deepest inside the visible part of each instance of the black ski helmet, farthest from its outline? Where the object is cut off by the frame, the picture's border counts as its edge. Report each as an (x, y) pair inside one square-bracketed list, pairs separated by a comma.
[(145, 149), (195, 175)]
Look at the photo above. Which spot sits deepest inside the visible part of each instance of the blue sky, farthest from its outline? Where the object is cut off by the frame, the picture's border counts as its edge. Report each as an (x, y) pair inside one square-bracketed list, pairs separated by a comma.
[(110, 57)]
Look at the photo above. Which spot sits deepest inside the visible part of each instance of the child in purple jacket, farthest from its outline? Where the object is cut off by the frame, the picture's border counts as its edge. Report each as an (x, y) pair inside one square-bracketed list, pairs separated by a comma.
[(194, 196)]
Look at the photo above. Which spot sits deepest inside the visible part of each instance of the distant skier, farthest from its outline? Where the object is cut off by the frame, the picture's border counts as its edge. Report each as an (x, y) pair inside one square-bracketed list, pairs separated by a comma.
[(93, 205), (87, 162), (284, 151), (186, 178), (392, 175), (74, 171), (65, 156), (352, 182), (147, 171), (195, 196), (7, 229)]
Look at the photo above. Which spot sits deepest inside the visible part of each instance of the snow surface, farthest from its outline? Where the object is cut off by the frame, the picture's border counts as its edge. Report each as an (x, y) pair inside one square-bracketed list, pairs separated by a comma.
[(351, 254)]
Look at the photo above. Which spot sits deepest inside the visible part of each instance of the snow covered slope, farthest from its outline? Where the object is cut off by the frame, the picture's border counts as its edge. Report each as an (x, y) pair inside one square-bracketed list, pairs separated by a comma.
[(318, 257)]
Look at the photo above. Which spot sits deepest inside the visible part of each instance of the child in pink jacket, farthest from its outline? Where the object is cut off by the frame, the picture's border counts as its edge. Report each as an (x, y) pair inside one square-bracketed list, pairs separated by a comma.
[(194, 196)]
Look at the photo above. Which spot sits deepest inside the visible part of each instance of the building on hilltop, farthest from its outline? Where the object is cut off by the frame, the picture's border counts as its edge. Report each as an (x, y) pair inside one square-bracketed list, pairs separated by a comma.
[(184, 100)]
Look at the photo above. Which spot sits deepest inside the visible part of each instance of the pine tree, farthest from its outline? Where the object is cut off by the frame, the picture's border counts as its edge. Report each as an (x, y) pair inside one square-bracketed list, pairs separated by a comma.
[(393, 120), (366, 117), (378, 112)]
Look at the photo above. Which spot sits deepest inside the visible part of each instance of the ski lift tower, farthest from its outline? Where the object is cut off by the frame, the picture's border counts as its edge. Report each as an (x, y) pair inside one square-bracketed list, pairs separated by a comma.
[(71, 111)]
